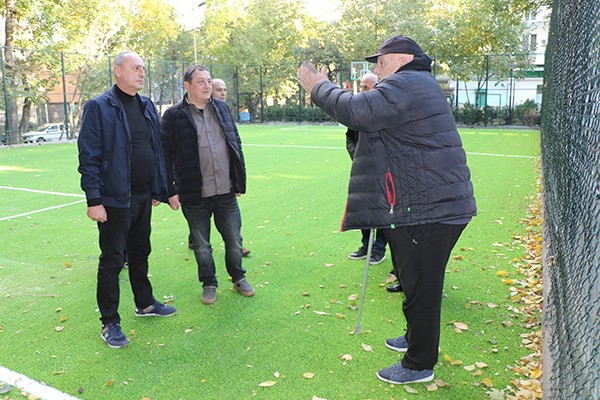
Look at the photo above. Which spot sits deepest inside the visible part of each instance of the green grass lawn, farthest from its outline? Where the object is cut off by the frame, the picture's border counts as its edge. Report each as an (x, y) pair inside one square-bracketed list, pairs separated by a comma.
[(299, 322)]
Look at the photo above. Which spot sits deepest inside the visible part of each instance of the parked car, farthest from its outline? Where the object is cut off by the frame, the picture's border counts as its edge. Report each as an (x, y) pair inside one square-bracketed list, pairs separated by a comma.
[(46, 132)]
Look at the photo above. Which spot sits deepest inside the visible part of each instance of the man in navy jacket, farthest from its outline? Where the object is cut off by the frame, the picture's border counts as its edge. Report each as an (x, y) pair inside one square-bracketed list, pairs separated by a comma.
[(409, 178), (123, 175)]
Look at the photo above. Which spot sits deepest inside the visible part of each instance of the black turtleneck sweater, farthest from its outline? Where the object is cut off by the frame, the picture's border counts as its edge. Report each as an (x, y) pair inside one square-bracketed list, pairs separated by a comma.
[(142, 154)]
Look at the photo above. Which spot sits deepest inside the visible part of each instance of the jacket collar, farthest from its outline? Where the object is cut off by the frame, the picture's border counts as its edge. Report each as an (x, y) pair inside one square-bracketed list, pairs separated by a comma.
[(421, 62)]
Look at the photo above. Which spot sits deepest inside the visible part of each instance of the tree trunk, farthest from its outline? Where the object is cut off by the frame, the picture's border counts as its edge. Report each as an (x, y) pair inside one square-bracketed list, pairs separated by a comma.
[(26, 115), (12, 115)]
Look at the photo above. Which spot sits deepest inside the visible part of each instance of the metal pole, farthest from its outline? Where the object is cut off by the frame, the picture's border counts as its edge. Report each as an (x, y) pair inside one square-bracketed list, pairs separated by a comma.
[(364, 284), (487, 79), (65, 104), (262, 105)]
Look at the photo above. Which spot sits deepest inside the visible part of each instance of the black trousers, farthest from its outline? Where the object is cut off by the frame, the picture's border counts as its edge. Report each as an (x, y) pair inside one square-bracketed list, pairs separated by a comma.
[(420, 254), (125, 229)]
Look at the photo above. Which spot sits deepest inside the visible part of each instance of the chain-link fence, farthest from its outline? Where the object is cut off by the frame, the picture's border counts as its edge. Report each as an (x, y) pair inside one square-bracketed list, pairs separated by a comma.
[(40, 87), (571, 197)]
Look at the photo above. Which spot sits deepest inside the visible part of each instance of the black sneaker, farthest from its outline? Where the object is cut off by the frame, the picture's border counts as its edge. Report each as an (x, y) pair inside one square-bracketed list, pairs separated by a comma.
[(398, 375), (376, 258), (359, 254), (114, 336), (397, 344), (156, 310), (395, 288)]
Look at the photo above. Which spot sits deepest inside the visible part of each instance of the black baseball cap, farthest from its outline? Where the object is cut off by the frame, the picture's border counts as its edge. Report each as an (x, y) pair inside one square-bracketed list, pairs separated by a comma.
[(397, 44)]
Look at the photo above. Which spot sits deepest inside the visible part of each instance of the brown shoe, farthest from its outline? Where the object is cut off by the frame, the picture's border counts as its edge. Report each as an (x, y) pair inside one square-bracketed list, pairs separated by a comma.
[(209, 294), (244, 287), (245, 252)]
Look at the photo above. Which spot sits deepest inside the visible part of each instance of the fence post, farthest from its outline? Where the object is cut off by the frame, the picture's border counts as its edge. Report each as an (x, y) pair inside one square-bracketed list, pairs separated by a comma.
[(236, 84), (149, 69), (262, 105), (6, 105), (110, 72), (65, 104), (487, 79)]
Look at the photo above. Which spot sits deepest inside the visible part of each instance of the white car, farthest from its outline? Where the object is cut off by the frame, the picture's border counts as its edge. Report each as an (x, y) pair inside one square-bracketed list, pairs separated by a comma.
[(46, 132)]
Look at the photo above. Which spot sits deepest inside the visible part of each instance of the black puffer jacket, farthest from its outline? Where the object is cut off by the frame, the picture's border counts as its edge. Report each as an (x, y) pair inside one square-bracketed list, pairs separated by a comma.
[(409, 167), (179, 139)]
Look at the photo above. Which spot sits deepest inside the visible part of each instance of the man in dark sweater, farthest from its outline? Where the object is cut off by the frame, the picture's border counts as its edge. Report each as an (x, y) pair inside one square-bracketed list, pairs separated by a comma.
[(123, 175)]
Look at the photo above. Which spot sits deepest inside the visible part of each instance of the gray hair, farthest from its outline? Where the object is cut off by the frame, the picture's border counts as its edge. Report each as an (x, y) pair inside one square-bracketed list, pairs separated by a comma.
[(120, 58), (369, 75)]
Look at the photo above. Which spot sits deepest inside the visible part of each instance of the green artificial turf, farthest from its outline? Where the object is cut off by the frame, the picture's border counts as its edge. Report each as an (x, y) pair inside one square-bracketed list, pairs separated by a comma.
[(295, 335)]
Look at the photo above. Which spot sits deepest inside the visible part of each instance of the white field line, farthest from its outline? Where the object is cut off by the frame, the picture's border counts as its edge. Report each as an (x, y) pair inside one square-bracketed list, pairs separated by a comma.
[(246, 145), (343, 148), (31, 386), (43, 209)]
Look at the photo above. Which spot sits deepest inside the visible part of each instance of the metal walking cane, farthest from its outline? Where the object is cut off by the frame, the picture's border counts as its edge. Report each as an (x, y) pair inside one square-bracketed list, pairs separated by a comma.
[(364, 285)]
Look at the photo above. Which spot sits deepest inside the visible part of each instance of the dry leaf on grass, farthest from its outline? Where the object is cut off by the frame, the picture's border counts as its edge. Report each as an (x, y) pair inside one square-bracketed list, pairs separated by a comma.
[(267, 383), (308, 375), (366, 347)]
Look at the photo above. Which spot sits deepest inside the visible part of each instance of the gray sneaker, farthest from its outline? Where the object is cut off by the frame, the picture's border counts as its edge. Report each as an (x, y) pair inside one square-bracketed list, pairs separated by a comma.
[(397, 344), (398, 375), (244, 287), (209, 294)]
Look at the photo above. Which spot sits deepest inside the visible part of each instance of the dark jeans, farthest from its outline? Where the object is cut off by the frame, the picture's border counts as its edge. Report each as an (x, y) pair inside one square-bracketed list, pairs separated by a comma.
[(378, 244), (420, 254), (125, 229), (228, 222)]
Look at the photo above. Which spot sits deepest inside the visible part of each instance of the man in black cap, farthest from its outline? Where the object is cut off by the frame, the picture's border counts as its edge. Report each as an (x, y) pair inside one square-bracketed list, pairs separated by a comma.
[(410, 179)]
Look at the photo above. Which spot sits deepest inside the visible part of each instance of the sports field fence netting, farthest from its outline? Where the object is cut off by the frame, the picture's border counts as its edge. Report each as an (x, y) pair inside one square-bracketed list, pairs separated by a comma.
[(571, 200)]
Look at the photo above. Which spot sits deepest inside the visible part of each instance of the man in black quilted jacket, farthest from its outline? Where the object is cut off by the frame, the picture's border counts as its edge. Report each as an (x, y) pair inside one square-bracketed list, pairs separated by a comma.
[(206, 172), (410, 179)]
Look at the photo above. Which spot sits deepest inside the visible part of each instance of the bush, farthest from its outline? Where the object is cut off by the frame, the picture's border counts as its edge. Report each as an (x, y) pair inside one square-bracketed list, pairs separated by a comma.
[(294, 113)]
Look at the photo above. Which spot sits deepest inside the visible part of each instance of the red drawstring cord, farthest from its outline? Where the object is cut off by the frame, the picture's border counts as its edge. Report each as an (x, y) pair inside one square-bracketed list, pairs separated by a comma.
[(390, 190)]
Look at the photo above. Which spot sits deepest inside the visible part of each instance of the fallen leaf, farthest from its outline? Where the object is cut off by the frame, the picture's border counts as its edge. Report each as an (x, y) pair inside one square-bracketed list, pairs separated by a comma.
[(507, 281), (59, 328), (366, 347), (321, 312), (276, 374), (328, 265), (492, 305), (487, 382), (110, 383), (267, 383), (456, 362), (188, 330), (469, 367), (536, 373), (461, 326), (308, 375), (460, 257), (68, 264), (431, 388), (346, 357), (501, 273), (317, 398), (481, 364), (340, 316), (305, 294), (478, 373), (410, 389), (496, 394), (440, 383), (353, 297)]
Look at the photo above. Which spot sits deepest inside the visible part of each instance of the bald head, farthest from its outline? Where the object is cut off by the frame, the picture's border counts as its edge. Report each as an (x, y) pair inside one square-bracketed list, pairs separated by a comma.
[(219, 89), (368, 82)]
